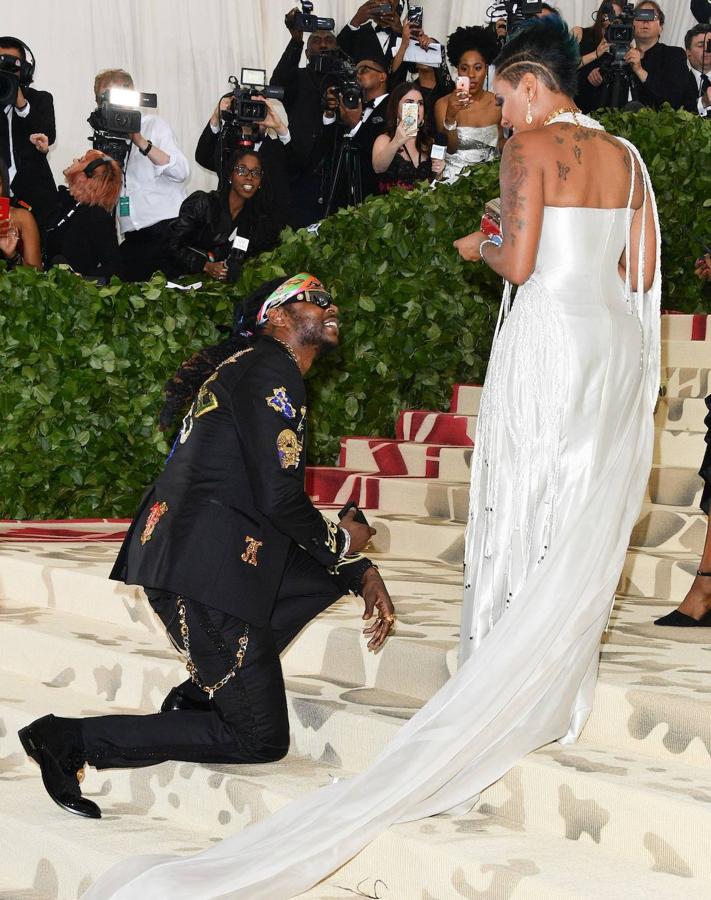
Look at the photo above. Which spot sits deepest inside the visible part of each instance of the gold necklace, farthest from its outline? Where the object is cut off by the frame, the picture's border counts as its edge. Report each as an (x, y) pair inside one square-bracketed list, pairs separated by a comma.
[(288, 349), (559, 112)]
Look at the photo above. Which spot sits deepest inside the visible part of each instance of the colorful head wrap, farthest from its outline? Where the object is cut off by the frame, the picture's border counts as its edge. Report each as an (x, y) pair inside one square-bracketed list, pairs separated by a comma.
[(302, 288)]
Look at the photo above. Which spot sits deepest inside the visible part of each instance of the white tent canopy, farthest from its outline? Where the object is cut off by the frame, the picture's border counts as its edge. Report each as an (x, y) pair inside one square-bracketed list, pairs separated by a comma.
[(184, 50)]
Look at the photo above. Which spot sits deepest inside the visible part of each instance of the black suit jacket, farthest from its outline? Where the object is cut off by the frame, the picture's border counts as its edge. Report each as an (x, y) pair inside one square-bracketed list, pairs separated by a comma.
[(667, 77), (302, 101), (218, 523), (364, 140), (364, 43), (701, 9), (33, 182), (691, 95)]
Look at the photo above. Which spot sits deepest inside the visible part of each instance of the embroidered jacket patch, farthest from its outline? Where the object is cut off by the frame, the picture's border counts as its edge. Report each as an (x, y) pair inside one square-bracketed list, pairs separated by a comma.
[(281, 402), (289, 449), (158, 510)]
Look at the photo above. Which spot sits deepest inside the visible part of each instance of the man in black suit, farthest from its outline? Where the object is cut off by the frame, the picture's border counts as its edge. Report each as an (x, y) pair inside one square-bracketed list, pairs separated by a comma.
[(373, 31), (303, 101), (27, 120), (234, 557), (701, 10), (698, 52), (660, 71), (361, 126)]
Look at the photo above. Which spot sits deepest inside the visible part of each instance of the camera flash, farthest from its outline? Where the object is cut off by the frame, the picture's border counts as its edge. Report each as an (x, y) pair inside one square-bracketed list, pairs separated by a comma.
[(124, 97)]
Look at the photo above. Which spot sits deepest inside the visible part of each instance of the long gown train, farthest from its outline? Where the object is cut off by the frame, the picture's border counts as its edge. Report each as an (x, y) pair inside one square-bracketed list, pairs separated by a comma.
[(562, 457)]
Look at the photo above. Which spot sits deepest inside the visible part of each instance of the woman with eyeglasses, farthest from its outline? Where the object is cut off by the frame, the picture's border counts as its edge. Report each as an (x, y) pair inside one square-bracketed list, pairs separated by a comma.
[(211, 225)]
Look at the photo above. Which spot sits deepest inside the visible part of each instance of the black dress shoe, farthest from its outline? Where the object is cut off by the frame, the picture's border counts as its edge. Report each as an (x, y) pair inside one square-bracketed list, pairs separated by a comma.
[(45, 744), (676, 619), (176, 699)]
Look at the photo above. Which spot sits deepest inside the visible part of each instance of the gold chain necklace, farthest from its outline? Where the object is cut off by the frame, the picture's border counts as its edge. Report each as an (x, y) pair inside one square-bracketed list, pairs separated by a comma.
[(288, 349), (559, 112)]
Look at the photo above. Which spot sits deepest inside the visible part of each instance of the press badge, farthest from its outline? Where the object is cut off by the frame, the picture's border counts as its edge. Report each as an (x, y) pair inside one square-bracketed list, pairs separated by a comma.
[(124, 206)]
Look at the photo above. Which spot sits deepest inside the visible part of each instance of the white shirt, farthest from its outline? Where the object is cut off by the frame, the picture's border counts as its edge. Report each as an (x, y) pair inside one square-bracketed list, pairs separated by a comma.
[(382, 36), (700, 105), (367, 113), (155, 192), (22, 113)]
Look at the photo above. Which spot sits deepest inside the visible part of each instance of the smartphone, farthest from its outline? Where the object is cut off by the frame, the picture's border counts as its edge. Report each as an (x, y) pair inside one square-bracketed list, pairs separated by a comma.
[(359, 517), (383, 10), (463, 84), (415, 17), (410, 117), (4, 209)]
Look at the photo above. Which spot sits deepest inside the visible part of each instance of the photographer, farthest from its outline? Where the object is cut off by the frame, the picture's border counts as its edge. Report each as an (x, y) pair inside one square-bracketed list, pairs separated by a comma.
[(303, 90), (593, 47), (202, 238), (698, 54), (362, 124), (19, 235), (156, 172), (271, 138), (373, 31), (81, 231), (402, 156), (660, 70), (27, 116)]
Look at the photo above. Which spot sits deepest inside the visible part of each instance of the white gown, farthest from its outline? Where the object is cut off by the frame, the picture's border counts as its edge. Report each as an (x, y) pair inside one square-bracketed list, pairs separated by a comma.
[(563, 453)]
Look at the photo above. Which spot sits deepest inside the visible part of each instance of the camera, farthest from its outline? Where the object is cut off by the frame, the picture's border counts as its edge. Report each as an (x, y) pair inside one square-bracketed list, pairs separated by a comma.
[(619, 34), (307, 21), (515, 12), (245, 110), (116, 118), (10, 71), (339, 73)]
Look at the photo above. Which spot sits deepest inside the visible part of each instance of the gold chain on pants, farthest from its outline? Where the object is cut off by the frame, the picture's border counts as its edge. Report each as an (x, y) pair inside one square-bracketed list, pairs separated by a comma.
[(190, 665)]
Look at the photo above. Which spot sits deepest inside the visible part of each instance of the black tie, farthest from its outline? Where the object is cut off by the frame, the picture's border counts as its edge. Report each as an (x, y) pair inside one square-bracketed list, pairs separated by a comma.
[(705, 83), (5, 139)]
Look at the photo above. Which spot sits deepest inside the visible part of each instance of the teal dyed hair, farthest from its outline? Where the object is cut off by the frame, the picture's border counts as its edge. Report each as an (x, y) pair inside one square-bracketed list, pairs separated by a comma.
[(546, 48)]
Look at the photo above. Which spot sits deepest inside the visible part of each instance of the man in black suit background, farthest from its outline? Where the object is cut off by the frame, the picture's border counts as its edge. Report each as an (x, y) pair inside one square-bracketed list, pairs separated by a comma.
[(373, 32), (303, 101), (234, 557), (660, 70), (701, 10), (26, 131), (698, 52)]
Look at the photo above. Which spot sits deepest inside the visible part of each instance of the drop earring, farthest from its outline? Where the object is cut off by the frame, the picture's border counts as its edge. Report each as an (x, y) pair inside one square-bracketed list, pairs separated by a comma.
[(529, 114)]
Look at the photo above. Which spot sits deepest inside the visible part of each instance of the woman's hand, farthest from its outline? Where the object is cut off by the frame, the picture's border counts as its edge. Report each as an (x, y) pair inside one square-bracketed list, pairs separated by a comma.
[(602, 48), (216, 270), (10, 239), (272, 118), (469, 247), (456, 102), (402, 135)]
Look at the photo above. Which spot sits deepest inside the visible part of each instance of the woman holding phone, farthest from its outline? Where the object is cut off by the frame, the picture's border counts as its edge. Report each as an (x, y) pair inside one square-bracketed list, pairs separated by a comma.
[(401, 155), (19, 235), (469, 114)]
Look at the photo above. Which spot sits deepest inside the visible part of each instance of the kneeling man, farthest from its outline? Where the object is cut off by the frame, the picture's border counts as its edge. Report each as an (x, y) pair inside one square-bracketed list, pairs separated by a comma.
[(233, 556)]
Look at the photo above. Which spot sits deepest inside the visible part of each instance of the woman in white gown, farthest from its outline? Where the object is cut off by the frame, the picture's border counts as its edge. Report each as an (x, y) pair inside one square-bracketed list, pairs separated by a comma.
[(563, 452)]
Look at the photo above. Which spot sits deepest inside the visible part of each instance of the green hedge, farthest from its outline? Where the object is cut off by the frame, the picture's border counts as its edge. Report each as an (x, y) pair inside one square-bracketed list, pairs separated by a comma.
[(84, 365)]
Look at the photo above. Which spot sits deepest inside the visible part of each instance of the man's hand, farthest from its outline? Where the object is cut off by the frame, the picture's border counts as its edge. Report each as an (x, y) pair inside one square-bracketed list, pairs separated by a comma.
[(41, 142), (331, 102), (595, 77), (289, 20), (469, 247), (360, 534), (392, 21), (350, 117), (634, 58), (376, 596), (20, 99), (364, 13), (224, 104), (272, 118)]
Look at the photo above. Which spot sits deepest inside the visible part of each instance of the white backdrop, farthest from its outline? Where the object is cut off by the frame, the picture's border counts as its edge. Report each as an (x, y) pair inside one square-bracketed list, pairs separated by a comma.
[(184, 50)]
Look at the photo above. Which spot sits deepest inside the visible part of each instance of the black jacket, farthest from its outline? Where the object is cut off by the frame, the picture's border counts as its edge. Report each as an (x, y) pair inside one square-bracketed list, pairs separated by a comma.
[(204, 225), (364, 43), (667, 77), (701, 9), (691, 95), (302, 101), (219, 522), (82, 236), (277, 160), (33, 182)]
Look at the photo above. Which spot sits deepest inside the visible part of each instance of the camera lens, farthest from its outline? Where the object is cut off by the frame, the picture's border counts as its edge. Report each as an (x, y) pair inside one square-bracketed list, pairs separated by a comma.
[(8, 88)]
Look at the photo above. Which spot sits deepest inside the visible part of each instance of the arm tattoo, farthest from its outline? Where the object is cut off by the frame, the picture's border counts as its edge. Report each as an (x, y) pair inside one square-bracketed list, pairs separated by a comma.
[(513, 178), (563, 171)]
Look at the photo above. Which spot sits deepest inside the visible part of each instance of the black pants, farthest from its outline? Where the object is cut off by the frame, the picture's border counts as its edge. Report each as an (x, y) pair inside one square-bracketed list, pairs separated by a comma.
[(144, 252), (248, 719)]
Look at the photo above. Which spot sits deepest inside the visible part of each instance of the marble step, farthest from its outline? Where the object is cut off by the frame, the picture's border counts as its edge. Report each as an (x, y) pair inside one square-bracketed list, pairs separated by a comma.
[(686, 381), (686, 327), (436, 858), (686, 354), (466, 399)]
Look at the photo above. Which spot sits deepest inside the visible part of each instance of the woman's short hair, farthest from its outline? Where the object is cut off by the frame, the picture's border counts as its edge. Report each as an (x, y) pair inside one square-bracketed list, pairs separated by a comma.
[(102, 188), (472, 37), (546, 48), (392, 112), (115, 77)]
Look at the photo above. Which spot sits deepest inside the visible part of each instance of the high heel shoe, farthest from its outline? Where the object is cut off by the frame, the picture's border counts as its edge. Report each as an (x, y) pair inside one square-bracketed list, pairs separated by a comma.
[(676, 619)]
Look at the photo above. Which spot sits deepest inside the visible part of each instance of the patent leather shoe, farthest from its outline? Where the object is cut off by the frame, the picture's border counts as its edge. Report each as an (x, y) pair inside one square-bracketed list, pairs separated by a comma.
[(676, 619), (176, 699), (46, 747)]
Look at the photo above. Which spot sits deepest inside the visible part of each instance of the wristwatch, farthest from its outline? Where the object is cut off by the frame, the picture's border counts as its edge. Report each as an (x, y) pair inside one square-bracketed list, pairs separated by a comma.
[(147, 149)]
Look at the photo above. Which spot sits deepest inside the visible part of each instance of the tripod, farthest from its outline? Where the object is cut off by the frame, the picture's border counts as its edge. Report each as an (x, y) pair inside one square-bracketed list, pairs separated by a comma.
[(347, 169), (616, 86)]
